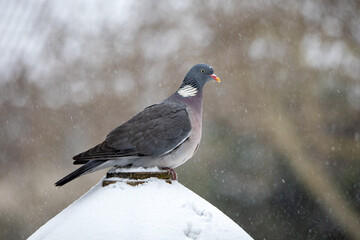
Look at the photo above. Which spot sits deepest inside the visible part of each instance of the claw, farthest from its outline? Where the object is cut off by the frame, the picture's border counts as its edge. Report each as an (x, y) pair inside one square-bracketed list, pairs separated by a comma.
[(172, 172)]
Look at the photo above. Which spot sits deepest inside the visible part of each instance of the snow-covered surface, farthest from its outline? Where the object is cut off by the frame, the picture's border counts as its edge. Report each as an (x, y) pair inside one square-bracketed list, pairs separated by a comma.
[(138, 169), (153, 210)]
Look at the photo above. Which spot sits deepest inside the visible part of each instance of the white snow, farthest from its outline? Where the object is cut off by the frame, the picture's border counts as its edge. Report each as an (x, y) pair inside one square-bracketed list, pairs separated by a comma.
[(153, 210)]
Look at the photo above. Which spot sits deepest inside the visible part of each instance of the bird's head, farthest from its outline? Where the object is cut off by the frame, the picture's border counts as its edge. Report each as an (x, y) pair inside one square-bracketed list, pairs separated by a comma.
[(195, 80)]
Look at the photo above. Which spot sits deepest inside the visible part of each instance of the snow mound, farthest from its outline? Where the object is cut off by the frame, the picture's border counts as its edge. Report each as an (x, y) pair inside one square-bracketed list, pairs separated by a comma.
[(153, 210)]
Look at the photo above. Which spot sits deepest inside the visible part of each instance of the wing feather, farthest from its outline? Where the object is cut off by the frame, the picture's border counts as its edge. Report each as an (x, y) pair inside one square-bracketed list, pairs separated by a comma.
[(155, 131)]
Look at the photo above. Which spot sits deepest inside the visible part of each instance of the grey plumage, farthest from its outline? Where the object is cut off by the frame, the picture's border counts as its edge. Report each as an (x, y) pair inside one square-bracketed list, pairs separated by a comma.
[(165, 134), (80, 171)]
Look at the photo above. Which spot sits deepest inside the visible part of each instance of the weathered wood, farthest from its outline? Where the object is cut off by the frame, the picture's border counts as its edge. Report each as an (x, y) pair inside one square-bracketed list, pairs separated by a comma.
[(139, 175), (107, 182), (134, 178)]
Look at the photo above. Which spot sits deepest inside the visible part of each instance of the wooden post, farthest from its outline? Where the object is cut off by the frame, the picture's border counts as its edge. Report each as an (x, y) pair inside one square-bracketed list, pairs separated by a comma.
[(133, 178)]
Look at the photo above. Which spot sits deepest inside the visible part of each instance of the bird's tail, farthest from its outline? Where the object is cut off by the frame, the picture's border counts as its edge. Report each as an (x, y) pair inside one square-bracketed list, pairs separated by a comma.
[(80, 171)]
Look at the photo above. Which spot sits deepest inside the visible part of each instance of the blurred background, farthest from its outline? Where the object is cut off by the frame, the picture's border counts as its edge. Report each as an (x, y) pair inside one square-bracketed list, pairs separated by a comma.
[(280, 153)]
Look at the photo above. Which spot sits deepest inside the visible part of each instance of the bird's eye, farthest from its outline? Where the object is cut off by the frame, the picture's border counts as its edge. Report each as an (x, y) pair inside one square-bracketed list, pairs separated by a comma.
[(202, 70)]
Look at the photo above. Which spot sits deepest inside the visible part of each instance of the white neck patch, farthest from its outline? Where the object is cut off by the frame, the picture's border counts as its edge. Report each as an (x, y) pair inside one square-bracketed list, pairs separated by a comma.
[(187, 91)]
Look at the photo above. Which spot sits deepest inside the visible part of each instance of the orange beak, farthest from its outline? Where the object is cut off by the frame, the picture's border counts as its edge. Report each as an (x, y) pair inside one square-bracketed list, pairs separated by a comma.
[(216, 78)]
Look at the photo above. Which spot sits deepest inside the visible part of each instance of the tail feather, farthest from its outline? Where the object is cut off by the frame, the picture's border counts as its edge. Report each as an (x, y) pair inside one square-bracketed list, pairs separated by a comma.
[(80, 171)]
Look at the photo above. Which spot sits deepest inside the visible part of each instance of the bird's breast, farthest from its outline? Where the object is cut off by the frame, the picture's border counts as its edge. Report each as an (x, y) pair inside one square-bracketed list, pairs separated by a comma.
[(190, 146)]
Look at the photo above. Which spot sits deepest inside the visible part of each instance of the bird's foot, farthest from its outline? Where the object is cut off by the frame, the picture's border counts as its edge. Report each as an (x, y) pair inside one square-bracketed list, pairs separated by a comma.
[(172, 172)]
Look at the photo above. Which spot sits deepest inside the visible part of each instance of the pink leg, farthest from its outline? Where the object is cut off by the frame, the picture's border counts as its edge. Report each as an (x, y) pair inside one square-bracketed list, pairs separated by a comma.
[(172, 172)]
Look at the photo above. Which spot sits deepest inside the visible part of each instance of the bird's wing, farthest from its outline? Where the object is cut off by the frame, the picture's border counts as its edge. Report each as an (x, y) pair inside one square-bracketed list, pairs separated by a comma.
[(155, 131)]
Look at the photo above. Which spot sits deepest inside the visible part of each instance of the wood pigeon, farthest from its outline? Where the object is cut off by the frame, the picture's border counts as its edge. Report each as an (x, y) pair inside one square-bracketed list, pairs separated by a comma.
[(165, 135)]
